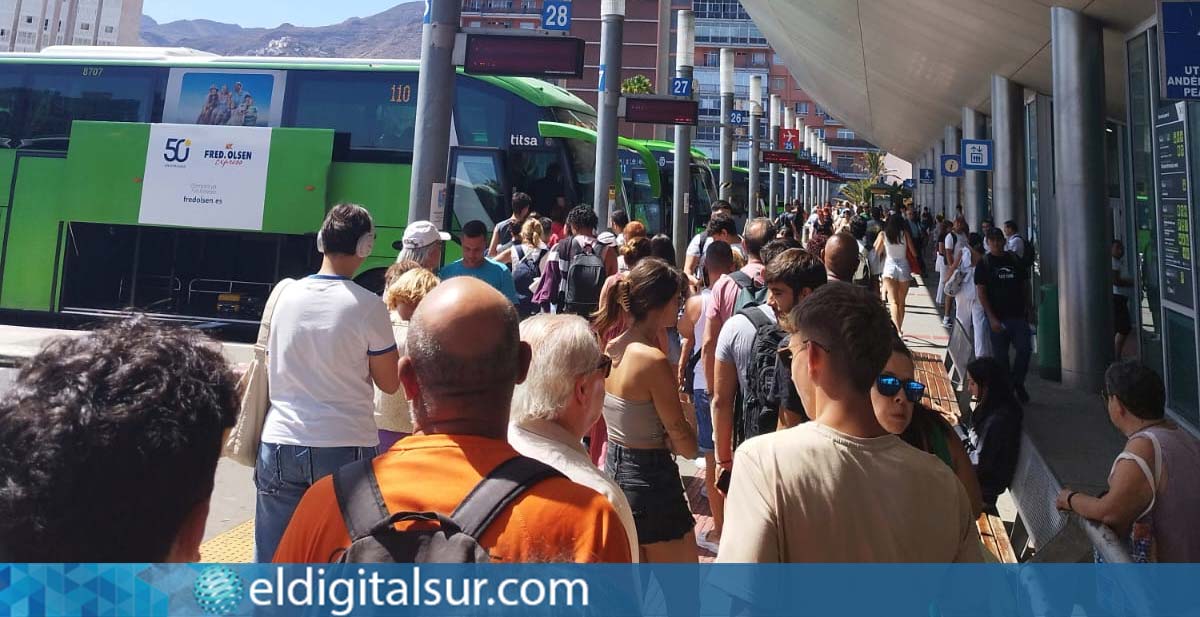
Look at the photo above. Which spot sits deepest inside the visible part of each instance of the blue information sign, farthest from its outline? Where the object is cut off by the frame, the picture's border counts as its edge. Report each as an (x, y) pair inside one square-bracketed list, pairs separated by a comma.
[(681, 86), (600, 86), (977, 154), (926, 175), (951, 167), (556, 15), (1179, 27), (738, 117), (428, 16)]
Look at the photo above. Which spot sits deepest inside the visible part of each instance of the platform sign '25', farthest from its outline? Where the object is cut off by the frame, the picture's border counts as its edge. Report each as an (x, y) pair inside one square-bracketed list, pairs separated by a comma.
[(556, 15)]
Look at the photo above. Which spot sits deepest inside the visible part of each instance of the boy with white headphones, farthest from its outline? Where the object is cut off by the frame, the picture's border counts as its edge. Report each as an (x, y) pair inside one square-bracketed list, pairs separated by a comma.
[(330, 340)]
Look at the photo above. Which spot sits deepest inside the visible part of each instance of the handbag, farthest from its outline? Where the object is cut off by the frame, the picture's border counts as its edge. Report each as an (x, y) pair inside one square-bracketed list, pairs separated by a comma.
[(243, 440), (914, 264), (955, 282)]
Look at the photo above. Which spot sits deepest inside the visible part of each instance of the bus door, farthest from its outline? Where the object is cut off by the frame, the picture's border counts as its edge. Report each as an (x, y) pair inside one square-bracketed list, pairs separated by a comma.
[(478, 188), (539, 173)]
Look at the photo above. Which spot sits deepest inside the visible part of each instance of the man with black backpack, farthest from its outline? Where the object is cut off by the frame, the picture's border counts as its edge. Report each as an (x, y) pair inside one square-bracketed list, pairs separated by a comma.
[(747, 355), (583, 264), (733, 292), (456, 490)]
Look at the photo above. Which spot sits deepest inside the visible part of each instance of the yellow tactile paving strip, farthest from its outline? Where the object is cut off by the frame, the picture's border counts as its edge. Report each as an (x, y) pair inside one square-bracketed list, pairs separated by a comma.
[(233, 546)]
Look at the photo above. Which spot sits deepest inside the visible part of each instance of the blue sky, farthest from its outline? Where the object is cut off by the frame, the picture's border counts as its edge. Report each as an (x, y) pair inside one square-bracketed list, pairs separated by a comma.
[(266, 13)]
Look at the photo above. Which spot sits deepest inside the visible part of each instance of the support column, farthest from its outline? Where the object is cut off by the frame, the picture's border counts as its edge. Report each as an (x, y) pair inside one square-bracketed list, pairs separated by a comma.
[(773, 170), (612, 14), (435, 101), (756, 149), (974, 182), (1085, 302), (684, 57), (1008, 178), (939, 196), (726, 188), (788, 195), (950, 146), (798, 176), (810, 200), (925, 200)]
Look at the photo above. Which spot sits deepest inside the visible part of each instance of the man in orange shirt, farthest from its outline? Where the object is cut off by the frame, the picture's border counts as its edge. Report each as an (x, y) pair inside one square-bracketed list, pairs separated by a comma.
[(465, 358)]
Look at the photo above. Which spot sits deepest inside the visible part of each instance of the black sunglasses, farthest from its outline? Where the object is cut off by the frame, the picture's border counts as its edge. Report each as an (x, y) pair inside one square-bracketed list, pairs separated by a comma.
[(889, 385), (605, 365)]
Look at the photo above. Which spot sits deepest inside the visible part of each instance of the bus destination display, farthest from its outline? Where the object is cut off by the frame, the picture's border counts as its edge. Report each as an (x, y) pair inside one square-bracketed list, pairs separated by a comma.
[(524, 56), (661, 110)]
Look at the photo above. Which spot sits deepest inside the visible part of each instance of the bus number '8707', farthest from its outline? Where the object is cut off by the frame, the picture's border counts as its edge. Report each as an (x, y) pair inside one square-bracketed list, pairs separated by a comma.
[(401, 93)]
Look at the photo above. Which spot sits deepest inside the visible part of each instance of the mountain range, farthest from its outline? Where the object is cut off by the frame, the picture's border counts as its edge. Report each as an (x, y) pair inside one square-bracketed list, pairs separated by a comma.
[(394, 33)]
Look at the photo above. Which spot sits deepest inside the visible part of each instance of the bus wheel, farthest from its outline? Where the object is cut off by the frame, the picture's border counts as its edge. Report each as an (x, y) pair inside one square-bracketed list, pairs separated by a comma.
[(372, 280)]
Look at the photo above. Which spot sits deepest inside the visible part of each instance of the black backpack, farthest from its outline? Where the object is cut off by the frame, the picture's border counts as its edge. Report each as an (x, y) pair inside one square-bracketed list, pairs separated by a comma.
[(454, 539), (526, 270), (760, 403), (1029, 258), (583, 279)]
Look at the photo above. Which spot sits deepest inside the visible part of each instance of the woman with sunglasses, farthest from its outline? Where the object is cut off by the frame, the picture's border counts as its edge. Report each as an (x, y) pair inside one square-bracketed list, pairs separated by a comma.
[(642, 408), (896, 398), (995, 427)]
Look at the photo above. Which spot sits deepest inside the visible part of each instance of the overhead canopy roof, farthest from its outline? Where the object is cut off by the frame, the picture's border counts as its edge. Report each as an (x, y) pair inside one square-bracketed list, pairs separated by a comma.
[(899, 71)]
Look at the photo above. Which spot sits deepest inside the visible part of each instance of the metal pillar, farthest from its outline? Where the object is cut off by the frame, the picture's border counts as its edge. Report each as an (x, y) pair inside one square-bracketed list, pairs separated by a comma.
[(800, 180), (920, 196), (810, 190), (612, 15), (727, 59), (756, 148), (939, 193), (950, 146), (1008, 177), (1085, 288), (435, 101), (788, 194), (773, 138), (684, 58), (974, 182), (826, 186)]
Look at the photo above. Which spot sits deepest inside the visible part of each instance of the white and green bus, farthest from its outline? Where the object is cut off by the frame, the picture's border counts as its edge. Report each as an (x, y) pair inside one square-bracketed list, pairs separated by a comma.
[(83, 231)]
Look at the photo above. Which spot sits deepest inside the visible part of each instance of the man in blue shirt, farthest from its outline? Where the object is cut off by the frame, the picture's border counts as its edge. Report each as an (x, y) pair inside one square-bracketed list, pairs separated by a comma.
[(474, 263)]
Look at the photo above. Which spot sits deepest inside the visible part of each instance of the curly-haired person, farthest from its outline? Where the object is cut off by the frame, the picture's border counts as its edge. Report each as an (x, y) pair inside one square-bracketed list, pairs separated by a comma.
[(108, 446)]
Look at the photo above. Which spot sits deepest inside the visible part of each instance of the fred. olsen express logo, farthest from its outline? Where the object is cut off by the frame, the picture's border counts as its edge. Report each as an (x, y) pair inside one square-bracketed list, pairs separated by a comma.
[(229, 157)]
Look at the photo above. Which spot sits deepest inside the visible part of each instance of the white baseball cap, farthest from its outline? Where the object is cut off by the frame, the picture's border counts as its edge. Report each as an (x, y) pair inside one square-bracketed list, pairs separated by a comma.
[(420, 234)]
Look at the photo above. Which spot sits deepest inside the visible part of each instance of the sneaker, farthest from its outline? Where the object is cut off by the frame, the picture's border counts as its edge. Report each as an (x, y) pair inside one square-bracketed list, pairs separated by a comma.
[(700, 463), (1022, 395), (703, 542), (946, 322)]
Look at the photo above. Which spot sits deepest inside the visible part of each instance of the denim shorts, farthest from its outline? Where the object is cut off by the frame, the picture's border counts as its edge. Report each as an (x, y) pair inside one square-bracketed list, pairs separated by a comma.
[(704, 428), (651, 483)]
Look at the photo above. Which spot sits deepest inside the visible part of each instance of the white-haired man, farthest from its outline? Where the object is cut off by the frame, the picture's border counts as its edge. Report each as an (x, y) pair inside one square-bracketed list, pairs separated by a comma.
[(560, 400), (422, 243)]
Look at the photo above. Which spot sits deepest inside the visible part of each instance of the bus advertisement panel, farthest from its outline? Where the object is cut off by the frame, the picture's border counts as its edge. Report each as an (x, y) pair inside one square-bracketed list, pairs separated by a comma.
[(225, 97)]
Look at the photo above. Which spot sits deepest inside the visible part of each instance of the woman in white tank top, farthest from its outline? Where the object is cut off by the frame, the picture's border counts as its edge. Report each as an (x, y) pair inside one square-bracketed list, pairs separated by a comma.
[(893, 245)]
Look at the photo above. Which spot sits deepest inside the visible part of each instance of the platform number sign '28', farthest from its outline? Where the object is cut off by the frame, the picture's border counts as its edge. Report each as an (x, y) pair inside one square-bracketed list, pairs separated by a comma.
[(556, 15)]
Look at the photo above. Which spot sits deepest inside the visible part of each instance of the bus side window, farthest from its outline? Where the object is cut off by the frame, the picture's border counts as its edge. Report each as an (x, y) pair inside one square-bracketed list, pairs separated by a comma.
[(59, 96), (11, 91), (377, 109)]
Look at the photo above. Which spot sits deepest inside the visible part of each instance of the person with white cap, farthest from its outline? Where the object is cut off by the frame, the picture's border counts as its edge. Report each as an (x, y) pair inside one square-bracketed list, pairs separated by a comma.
[(422, 243)]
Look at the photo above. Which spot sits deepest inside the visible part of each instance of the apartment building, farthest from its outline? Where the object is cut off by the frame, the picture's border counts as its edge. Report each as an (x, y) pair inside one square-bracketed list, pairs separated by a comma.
[(32, 25)]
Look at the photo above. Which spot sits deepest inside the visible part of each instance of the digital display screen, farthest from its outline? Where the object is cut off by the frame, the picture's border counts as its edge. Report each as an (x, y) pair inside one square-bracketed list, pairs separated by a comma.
[(662, 111), (524, 56), (779, 157)]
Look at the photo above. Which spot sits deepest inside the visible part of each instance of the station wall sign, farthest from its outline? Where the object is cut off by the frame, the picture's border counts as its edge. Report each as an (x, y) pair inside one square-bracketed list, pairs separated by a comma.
[(926, 175), (790, 139), (951, 167), (976, 154), (556, 15), (681, 86), (1179, 50)]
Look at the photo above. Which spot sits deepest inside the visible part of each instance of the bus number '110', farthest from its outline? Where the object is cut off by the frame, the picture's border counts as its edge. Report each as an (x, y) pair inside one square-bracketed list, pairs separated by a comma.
[(93, 71), (401, 93)]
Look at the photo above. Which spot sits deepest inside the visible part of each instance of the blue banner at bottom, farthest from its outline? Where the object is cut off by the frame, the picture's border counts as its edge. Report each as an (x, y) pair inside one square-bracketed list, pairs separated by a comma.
[(564, 589)]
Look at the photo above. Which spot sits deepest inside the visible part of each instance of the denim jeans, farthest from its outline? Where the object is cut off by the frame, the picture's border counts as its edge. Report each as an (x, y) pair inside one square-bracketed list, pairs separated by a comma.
[(282, 475), (1015, 332)]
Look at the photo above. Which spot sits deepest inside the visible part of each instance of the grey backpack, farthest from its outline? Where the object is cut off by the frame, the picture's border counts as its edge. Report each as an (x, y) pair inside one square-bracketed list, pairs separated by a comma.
[(446, 539)]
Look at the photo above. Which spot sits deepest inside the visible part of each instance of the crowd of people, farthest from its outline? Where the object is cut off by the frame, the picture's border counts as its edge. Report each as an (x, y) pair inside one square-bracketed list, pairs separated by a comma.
[(534, 396)]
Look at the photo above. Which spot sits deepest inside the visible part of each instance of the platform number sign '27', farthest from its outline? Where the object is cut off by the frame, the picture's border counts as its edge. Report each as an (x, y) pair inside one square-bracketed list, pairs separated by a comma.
[(556, 15)]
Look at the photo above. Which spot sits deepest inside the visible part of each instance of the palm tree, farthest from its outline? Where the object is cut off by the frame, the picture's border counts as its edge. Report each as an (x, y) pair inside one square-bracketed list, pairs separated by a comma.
[(638, 84), (858, 191), (875, 166)]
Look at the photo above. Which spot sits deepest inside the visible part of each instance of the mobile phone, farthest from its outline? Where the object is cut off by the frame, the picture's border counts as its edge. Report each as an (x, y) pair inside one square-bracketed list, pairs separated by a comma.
[(723, 480)]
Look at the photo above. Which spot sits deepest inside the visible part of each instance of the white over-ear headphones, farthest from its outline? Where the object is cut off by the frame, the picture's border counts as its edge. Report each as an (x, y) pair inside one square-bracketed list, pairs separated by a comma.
[(366, 244)]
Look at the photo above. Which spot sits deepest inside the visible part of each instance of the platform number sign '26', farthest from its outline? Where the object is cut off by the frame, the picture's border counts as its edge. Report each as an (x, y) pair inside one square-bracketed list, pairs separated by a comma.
[(556, 15)]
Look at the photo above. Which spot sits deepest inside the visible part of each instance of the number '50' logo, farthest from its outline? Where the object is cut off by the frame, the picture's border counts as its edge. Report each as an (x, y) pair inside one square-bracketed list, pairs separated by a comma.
[(177, 151)]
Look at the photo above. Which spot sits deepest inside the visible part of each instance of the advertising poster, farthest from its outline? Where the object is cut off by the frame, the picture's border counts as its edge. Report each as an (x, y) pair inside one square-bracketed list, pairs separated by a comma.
[(213, 177), (225, 97)]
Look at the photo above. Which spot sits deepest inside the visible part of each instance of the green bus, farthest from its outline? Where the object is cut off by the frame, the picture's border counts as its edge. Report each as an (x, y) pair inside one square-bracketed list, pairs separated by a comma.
[(75, 156), (701, 194)]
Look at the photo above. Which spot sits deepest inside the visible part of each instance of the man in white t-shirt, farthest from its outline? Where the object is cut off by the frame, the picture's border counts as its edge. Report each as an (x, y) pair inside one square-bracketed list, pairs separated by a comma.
[(841, 488), (721, 228), (1013, 242), (559, 401), (331, 341)]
